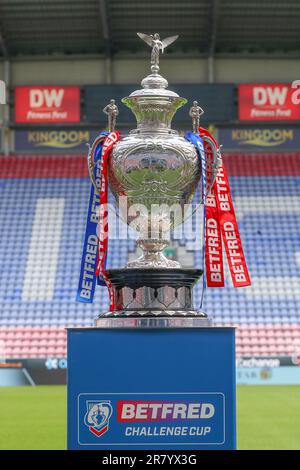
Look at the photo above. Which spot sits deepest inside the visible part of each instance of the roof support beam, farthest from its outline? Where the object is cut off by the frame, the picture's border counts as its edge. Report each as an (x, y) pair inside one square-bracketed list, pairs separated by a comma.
[(104, 20), (106, 36), (212, 40), (3, 46)]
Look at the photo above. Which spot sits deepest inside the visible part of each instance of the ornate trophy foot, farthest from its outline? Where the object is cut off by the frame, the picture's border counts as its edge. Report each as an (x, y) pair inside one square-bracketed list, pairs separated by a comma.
[(153, 256), (147, 294)]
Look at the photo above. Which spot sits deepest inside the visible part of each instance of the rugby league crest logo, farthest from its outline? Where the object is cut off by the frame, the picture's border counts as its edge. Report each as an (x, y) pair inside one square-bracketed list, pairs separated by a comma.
[(97, 416)]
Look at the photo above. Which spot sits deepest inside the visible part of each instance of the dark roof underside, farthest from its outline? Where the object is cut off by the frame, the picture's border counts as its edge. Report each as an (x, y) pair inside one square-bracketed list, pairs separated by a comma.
[(59, 27)]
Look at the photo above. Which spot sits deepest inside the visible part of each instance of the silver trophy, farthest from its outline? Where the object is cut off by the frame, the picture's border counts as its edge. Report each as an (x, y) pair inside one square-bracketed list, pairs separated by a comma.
[(154, 167)]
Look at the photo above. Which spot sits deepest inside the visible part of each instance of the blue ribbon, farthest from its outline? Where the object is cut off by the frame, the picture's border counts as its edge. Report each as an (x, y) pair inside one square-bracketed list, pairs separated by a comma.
[(199, 145), (87, 278)]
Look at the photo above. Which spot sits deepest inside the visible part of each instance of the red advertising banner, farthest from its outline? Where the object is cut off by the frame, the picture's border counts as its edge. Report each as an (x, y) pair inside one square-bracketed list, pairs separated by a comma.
[(40, 104), (268, 102)]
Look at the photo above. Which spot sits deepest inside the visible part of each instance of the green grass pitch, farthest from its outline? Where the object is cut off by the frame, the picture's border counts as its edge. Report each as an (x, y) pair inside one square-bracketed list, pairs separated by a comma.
[(35, 417)]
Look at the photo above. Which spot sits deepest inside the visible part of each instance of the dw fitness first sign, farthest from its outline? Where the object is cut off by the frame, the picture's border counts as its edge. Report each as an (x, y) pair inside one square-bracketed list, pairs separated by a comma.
[(269, 102), (47, 104)]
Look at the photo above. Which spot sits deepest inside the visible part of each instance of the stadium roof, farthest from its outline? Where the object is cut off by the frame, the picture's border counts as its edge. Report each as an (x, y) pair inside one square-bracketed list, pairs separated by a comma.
[(108, 27)]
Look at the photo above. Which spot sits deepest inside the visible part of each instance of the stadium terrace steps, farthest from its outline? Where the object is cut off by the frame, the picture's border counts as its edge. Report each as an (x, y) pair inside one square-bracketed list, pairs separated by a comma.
[(33, 342), (51, 342), (56, 166), (43, 208)]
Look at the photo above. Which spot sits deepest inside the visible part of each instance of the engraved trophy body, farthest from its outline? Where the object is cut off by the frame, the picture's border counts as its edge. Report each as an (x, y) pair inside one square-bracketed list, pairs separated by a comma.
[(158, 171)]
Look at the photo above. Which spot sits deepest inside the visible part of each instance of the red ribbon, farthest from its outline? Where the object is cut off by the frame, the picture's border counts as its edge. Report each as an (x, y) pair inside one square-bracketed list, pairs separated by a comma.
[(221, 224), (108, 144)]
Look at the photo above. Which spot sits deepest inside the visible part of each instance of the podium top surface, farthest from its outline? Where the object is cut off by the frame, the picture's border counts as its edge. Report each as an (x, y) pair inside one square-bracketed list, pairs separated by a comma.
[(156, 326)]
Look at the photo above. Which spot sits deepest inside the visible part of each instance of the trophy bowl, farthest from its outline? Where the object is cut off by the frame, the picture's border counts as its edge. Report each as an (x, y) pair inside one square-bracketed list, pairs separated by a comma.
[(155, 169)]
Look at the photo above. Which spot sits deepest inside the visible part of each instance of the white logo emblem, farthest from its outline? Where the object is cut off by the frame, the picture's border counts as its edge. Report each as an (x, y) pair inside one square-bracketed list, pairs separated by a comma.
[(97, 416)]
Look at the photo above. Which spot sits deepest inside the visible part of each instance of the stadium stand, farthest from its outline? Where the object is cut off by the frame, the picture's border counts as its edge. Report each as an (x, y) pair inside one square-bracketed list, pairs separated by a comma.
[(43, 208)]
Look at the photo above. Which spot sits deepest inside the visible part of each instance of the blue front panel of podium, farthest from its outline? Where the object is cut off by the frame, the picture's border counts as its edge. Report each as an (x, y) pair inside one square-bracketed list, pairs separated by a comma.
[(151, 389)]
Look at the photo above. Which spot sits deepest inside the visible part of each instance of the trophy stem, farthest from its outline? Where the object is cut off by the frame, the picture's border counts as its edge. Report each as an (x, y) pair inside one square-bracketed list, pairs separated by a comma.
[(152, 256)]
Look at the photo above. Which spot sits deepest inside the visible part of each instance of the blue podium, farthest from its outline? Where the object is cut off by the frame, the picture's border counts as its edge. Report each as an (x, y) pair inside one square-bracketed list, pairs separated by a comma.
[(151, 388)]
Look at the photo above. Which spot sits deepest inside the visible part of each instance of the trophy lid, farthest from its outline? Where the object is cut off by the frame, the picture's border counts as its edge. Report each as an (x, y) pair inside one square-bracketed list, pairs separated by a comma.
[(155, 84), (154, 105)]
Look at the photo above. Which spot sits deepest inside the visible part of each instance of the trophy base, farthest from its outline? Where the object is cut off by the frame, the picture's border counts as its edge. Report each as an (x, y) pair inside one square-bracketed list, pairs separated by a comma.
[(149, 293)]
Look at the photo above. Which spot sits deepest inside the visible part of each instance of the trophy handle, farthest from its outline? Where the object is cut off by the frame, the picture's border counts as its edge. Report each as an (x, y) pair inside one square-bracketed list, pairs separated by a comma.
[(216, 161), (91, 167)]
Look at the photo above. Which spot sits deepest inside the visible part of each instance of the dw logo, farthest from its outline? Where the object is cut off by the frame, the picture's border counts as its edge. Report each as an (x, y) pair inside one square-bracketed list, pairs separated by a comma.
[(97, 416), (2, 92)]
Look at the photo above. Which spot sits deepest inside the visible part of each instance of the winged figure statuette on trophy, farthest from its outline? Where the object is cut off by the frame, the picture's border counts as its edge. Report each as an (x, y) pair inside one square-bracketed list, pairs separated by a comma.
[(157, 45)]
